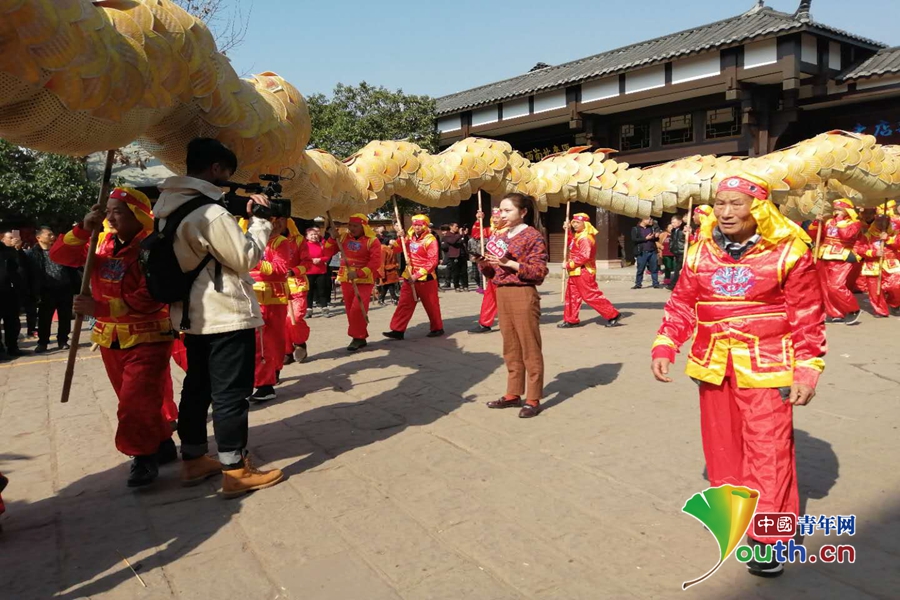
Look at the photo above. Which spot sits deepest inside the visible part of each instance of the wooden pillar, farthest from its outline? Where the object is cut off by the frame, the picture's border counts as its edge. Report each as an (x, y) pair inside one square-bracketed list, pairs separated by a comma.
[(607, 249)]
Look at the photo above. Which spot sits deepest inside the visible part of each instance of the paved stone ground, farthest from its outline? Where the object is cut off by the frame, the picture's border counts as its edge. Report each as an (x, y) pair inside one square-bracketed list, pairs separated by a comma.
[(401, 484)]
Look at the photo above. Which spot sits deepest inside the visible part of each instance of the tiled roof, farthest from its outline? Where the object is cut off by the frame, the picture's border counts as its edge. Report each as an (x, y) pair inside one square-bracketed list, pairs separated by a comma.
[(758, 22), (883, 62)]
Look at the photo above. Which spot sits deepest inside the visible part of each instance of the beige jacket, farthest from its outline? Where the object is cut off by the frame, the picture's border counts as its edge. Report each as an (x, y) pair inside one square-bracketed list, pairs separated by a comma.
[(211, 229)]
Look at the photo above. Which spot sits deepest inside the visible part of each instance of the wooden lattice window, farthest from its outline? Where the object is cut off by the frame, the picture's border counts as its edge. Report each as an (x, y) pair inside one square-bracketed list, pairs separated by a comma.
[(677, 130), (722, 122), (632, 137)]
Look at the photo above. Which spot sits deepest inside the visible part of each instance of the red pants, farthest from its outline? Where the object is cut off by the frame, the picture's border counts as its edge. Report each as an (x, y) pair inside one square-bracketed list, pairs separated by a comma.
[(748, 440), (270, 344), (833, 276), (139, 376), (488, 305), (427, 291), (297, 332), (584, 287), (890, 293), (357, 328)]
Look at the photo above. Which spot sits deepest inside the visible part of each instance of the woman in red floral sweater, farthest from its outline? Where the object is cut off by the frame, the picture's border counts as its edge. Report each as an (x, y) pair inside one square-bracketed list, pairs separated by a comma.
[(516, 262)]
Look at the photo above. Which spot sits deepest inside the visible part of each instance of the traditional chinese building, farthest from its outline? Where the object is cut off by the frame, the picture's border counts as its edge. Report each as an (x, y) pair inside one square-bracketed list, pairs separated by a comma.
[(744, 86)]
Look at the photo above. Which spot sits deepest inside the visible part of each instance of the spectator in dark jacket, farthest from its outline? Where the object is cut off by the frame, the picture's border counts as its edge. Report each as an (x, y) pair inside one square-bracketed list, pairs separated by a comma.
[(56, 286), (457, 257), (11, 289), (676, 247), (644, 236)]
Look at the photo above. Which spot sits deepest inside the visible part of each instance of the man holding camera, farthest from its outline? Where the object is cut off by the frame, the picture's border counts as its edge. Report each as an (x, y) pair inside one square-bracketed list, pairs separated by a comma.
[(223, 316)]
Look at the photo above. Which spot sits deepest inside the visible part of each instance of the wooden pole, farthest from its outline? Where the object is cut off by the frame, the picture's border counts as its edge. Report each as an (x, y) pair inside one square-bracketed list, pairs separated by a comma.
[(687, 239), (481, 229), (881, 251), (86, 282), (565, 275), (337, 240), (819, 227), (412, 286)]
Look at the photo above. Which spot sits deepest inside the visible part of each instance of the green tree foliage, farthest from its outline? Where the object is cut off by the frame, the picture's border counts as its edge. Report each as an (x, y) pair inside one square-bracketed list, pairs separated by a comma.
[(43, 188), (355, 115)]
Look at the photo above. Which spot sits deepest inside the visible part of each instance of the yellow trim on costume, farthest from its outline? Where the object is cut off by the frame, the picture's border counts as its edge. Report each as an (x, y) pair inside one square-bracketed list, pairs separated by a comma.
[(70, 239), (131, 334), (664, 340), (117, 307), (265, 267), (817, 364), (271, 292)]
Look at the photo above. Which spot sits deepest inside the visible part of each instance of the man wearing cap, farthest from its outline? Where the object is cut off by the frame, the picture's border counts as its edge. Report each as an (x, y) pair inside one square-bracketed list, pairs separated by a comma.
[(582, 270), (360, 261), (271, 290), (132, 329), (880, 251), (749, 288), (422, 248), (837, 261)]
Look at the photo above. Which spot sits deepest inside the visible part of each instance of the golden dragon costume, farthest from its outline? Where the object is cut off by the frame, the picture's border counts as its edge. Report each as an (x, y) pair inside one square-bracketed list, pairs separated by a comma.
[(78, 76)]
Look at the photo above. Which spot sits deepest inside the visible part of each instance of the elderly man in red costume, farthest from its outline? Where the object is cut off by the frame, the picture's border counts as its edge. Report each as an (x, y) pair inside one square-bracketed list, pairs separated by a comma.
[(837, 261), (271, 290), (422, 248), (880, 251), (295, 325), (132, 330), (488, 313), (360, 261), (582, 270), (749, 288)]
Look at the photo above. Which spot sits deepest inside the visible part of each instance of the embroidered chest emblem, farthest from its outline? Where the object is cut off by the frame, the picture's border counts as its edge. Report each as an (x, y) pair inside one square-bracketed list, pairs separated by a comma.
[(497, 246), (354, 246), (414, 246), (831, 231), (113, 270), (733, 282)]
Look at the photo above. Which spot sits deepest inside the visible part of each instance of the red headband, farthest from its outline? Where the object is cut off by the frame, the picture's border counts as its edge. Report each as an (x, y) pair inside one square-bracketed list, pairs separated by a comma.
[(495, 211), (420, 221), (358, 220), (120, 194), (744, 186), (580, 218)]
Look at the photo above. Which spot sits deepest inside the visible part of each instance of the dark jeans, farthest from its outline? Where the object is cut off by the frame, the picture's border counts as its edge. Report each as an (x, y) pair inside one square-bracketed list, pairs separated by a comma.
[(459, 272), (220, 372), (647, 260), (383, 291), (60, 302), (9, 313), (319, 290), (31, 316), (676, 271)]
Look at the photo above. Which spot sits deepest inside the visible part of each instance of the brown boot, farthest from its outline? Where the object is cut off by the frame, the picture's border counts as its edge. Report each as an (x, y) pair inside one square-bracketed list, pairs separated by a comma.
[(198, 470), (236, 482)]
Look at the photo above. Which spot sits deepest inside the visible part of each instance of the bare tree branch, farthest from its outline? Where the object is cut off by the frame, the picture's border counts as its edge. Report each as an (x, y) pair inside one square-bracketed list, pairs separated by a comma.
[(228, 20)]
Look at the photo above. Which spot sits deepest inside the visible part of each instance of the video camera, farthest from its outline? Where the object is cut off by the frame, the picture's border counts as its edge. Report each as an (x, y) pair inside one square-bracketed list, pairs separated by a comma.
[(278, 206)]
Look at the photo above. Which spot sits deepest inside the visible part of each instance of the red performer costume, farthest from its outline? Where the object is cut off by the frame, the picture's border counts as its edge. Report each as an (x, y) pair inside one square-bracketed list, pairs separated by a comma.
[(882, 234), (422, 248), (132, 329), (360, 262), (582, 270), (488, 313), (272, 294), (700, 213), (837, 261), (295, 325), (759, 342)]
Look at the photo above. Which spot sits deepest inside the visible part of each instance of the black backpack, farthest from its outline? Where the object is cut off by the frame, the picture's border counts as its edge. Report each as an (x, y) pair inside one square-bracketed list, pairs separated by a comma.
[(166, 282)]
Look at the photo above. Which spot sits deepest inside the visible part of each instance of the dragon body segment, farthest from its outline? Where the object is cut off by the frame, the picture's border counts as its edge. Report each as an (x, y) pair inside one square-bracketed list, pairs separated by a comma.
[(78, 76)]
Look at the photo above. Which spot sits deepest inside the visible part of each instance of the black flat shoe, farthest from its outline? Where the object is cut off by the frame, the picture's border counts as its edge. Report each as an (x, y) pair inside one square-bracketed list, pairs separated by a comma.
[(167, 452), (394, 335), (435, 333), (144, 471), (615, 321), (481, 329), (567, 325), (356, 345), (637, 287)]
